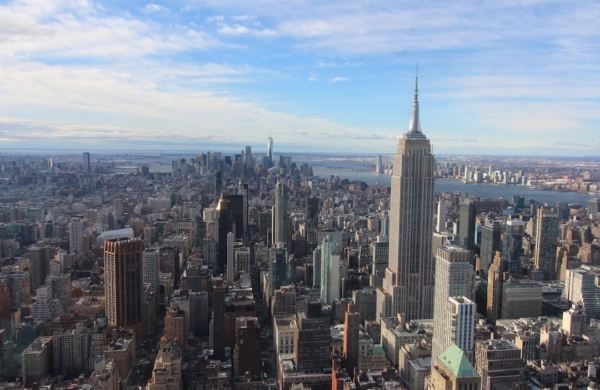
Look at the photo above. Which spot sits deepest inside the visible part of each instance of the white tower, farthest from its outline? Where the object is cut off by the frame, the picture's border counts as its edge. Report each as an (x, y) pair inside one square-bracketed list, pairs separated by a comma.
[(454, 277)]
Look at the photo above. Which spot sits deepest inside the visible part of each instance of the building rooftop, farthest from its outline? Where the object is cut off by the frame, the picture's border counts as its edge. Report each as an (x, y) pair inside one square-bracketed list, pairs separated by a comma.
[(457, 362)]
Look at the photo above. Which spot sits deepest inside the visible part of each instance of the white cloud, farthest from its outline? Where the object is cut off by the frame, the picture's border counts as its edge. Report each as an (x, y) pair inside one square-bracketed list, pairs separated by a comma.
[(136, 108), (155, 8), (311, 79), (338, 79), (76, 29), (243, 30), (216, 18)]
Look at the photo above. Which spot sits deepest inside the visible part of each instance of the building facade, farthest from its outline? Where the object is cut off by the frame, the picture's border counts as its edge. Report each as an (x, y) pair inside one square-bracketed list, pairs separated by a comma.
[(124, 284), (409, 277)]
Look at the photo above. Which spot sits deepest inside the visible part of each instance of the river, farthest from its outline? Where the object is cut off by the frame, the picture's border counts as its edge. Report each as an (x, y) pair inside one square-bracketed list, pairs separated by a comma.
[(357, 171)]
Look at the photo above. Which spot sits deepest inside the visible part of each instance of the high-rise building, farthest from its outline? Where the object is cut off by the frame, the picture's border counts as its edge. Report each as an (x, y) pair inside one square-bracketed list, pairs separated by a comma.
[(86, 163), (311, 342), (496, 279), (574, 321), (592, 206), (45, 308), (499, 364), (226, 224), (199, 313), (466, 226), (284, 301), (381, 255), (199, 231), (452, 370), (218, 183), (461, 313), (441, 216), (230, 258), (167, 372), (61, 289), (36, 360), (379, 166), (351, 339), (176, 328), (124, 284), (581, 288), (246, 354), (409, 277), (245, 231), (236, 213), (76, 236), (454, 277), (39, 264), (151, 266), (331, 281), (280, 213), (521, 298), (281, 268), (316, 256), (491, 242), (312, 223), (270, 150), (546, 236), (71, 349), (512, 246), (248, 157), (218, 319)]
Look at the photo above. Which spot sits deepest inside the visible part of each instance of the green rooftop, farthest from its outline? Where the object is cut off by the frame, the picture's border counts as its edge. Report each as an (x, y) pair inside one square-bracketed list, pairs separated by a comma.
[(457, 362)]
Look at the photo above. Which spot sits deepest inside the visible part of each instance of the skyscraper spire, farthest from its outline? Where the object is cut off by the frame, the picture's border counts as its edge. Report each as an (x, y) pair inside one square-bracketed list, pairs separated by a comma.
[(417, 85), (408, 284), (414, 127)]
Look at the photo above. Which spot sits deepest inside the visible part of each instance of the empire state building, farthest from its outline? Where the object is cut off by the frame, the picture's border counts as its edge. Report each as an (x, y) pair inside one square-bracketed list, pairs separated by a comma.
[(408, 283)]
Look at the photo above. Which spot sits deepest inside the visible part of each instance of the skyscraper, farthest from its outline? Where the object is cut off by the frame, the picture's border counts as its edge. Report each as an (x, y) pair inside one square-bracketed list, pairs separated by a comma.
[(151, 267), (491, 242), (218, 319), (280, 213), (512, 246), (244, 188), (248, 157), (330, 271), (76, 236), (409, 277), (351, 339), (379, 166), (230, 258), (441, 216), (312, 224), (236, 212), (123, 280), (454, 277), (270, 150), (593, 206), (467, 224), (86, 163), (226, 224), (545, 242)]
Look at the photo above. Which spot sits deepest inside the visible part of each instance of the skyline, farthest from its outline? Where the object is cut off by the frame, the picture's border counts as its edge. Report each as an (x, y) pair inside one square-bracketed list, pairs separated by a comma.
[(329, 78)]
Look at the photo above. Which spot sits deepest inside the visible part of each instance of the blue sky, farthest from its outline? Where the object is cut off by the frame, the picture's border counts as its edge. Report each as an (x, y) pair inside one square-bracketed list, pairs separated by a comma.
[(495, 77)]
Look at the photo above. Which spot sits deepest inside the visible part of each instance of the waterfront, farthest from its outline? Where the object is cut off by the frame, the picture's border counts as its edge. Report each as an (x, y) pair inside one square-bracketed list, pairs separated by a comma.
[(358, 171), (355, 171)]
